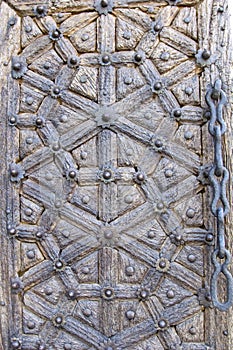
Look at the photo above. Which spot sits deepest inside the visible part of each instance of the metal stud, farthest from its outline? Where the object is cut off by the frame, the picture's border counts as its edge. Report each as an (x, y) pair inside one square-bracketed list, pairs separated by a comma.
[(108, 234), (108, 293), (144, 294), (225, 332), (67, 347), (85, 37), (28, 28), (206, 54), (130, 270), (40, 9), (56, 34), (190, 213), (191, 258), (58, 320), (85, 199), (48, 291), (157, 27), (158, 86), (209, 237), (29, 100), (165, 56), (31, 254), (168, 173), (73, 60), (39, 121), (162, 264), (162, 324), (39, 234), (12, 119), (160, 206), (71, 294), (192, 330), (151, 234), (56, 90), (15, 344), (104, 3), (130, 314), (58, 264), (11, 231), (177, 113), (17, 66), (72, 174), (138, 57), (14, 172), (83, 79), (128, 199), (47, 65), (188, 90), (31, 325), (86, 270), (107, 174), (170, 294), (140, 177), (188, 135), (87, 312), (105, 59), (15, 285), (158, 143), (28, 211)]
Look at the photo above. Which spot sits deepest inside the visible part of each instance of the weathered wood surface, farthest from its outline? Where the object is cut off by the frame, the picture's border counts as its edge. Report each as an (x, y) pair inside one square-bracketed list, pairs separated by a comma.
[(104, 226)]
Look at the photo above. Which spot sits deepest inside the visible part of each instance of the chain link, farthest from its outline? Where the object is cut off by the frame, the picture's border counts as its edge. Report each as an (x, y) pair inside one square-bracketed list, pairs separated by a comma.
[(219, 176)]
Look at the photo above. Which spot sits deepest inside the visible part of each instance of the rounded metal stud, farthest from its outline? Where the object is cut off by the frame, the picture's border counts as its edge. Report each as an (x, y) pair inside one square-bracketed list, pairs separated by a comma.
[(105, 59), (106, 118), (209, 237), (28, 28), (168, 173), (58, 264), (206, 54), (85, 199), (55, 34), (108, 234), (130, 314), (71, 294), (107, 174), (56, 90), (192, 330), (83, 79), (40, 9), (73, 60), (29, 100), (47, 65), (160, 206), (29, 140), (39, 121), (128, 199), (42, 347), (86, 270), (151, 234), (15, 285), (58, 320), (158, 143), (158, 86), (157, 27), (31, 254), (17, 66), (14, 172), (191, 258), (215, 95), (140, 177), (48, 291), (31, 325), (138, 57), (28, 211), (104, 3), (108, 293), (85, 37), (12, 231), (190, 213), (15, 344), (177, 113), (130, 270), (162, 324), (144, 294), (67, 346), (72, 174), (187, 20), (170, 294), (188, 90), (162, 264), (39, 234), (12, 120), (128, 80), (188, 135), (225, 332), (165, 56), (87, 312)]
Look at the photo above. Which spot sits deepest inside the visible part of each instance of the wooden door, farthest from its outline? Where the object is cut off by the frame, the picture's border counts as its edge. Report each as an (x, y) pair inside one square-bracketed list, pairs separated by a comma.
[(108, 235)]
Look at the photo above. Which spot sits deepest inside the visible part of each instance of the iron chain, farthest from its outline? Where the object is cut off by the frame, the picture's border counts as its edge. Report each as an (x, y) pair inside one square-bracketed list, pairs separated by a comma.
[(219, 176)]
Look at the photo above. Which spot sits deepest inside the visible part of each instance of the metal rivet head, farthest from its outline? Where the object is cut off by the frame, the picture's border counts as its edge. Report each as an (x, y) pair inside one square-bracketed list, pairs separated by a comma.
[(188, 90), (67, 347), (86, 270), (71, 294), (157, 27), (162, 323), (107, 174), (165, 56), (14, 172), (144, 294), (56, 34), (177, 113), (42, 347), (47, 65), (40, 9), (215, 95), (188, 135), (209, 237), (170, 294), (221, 9), (12, 120), (31, 325), (28, 211), (168, 172), (140, 177), (190, 213), (208, 296), (29, 100), (12, 231), (58, 264), (72, 174), (106, 118), (225, 332), (105, 59), (15, 285), (108, 293), (151, 234), (15, 344), (158, 86), (162, 264), (85, 199), (130, 270), (206, 54), (31, 254), (85, 37), (17, 66), (104, 3), (108, 234), (160, 206), (87, 312), (158, 143), (28, 28), (73, 60), (56, 90), (192, 330), (39, 234), (191, 258), (58, 320), (138, 57), (130, 314), (128, 199), (48, 291), (39, 121)]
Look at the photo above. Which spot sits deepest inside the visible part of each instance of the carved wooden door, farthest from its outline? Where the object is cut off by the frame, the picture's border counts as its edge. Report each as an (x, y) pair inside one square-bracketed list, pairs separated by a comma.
[(109, 236)]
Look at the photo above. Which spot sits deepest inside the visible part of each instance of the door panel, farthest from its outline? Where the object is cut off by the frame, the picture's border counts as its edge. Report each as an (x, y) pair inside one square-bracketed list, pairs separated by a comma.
[(107, 206)]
